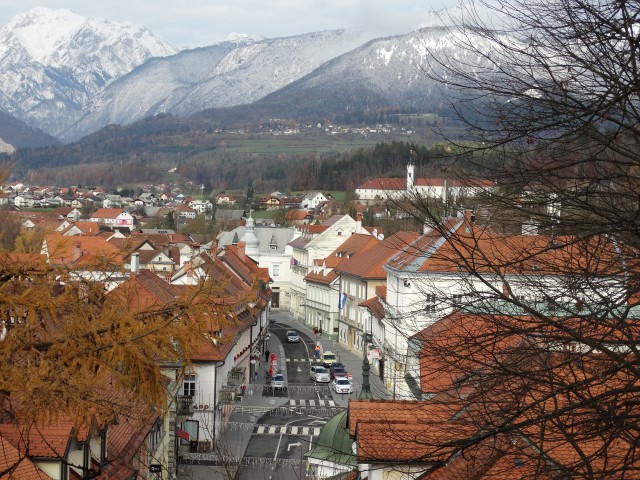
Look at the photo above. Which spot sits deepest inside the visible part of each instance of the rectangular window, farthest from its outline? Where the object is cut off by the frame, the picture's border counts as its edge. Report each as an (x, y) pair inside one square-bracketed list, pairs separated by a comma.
[(155, 436), (276, 270), (189, 385), (430, 303)]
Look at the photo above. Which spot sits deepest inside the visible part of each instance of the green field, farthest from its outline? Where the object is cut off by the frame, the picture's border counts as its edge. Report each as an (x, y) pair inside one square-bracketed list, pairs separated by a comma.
[(305, 144)]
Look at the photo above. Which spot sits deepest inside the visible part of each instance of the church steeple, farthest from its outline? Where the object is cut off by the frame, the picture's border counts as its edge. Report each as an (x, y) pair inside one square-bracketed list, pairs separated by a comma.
[(411, 179), (250, 238)]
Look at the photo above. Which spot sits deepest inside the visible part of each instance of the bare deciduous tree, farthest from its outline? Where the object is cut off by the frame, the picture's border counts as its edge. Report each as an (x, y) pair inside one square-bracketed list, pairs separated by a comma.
[(542, 358)]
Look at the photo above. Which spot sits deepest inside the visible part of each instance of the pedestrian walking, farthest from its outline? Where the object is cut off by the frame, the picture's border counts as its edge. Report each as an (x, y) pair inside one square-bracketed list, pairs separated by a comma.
[(266, 355), (317, 349), (255, 376)]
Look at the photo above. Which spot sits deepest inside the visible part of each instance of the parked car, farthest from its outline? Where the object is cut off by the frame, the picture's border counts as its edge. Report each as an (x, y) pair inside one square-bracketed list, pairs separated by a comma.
[(320, 374), (328, 358), (292, 336), (277, 381), (338, 372), (342, 385)]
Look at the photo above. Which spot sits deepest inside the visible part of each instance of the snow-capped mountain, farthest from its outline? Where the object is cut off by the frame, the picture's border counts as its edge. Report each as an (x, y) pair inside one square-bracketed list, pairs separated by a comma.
[(222, 75), (383, 73), (70, 76), (54, 62)]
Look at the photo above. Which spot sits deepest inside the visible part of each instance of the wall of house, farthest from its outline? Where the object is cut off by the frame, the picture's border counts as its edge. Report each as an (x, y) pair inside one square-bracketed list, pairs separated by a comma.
[(351, 317), (279, 266), (51, 468), (318, 247), (393, 472), (415, 301), (207, 394), (326, 469), (322, 308)]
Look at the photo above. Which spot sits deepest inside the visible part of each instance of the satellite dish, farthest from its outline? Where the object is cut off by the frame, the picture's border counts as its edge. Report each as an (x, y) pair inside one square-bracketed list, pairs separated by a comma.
[(354, 448)]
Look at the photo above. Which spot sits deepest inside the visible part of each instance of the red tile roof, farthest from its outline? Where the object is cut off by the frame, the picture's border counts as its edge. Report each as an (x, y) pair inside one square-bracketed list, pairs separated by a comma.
[(375, 307), (397, 411), (88, 228), (355, 245), (385, 184), (457, 245), (82, 251), (107, 213), (297, 215), (16, 466), (369, 265), (49, 442), (145, 290)]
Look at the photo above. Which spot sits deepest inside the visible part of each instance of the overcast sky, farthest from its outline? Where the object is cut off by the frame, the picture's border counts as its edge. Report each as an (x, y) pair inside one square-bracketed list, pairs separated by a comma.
[(204, 22)]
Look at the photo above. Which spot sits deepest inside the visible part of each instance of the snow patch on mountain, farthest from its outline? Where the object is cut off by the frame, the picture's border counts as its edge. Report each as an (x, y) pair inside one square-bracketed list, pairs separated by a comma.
[(6, 148), (54, 61), (70, 76), (243, 38)]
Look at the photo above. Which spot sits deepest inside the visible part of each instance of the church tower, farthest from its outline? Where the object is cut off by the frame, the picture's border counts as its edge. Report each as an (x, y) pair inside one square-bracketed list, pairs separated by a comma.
[(411, 179)]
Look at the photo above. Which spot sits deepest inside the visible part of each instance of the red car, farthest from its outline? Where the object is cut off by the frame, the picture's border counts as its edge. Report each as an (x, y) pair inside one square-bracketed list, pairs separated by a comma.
[(338, 372)]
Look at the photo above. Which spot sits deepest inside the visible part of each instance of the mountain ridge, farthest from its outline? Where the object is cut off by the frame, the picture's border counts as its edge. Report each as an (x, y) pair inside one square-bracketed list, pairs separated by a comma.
[(73, 91)]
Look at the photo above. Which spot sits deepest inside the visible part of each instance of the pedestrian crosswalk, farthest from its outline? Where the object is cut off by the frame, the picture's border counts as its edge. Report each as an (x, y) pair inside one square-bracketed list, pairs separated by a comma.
[(312, 403), (287, 430), (310, 360)]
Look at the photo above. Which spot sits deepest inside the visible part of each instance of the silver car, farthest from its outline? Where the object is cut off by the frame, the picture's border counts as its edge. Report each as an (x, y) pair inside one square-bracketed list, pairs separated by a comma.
[(277, 381), (292, 336), (320, 374), (342, 385)]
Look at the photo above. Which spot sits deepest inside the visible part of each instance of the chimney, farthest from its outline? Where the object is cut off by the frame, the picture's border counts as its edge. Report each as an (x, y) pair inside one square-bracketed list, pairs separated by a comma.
[(76, 252), (241, 249), (469, 219), (135, 262), (359, 222)]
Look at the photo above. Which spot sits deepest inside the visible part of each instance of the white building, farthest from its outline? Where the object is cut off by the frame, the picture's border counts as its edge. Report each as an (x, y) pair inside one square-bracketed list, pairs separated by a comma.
[(440, 272), (312, 200), (267, 245), (316, 242), (229, 355), (113, 218), (379, 189), (201, 206)]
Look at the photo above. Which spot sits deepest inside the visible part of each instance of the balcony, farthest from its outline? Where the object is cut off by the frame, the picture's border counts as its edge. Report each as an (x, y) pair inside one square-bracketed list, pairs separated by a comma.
[(227, 394), (235, 376), (184, 405)]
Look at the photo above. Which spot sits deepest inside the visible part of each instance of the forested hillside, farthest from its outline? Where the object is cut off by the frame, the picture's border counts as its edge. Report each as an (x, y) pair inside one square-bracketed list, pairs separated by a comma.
[(171, 150)]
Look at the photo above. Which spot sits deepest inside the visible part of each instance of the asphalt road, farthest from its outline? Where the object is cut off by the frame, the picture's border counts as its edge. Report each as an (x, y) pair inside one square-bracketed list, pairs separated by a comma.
[(285, 434)]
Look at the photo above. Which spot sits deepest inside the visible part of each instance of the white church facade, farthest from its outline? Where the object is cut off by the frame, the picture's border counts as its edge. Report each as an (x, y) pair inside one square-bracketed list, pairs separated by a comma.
[(380, 189)]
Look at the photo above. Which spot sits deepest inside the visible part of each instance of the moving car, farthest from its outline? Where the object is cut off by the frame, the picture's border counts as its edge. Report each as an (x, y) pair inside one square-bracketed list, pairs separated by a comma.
[(342, 385), (277, 381), (336, 365), (292, 336), (328, 358), (338, 372), (320, 374)]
